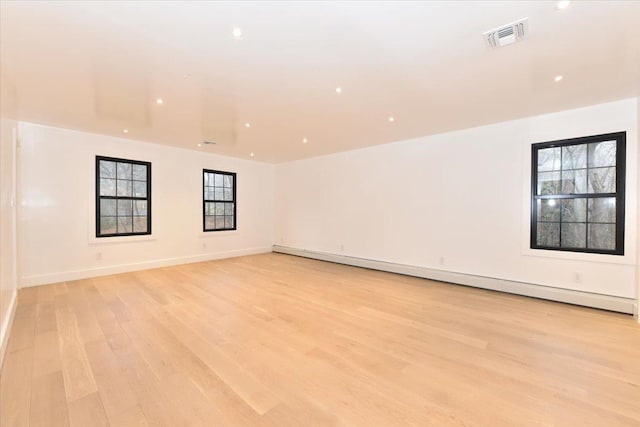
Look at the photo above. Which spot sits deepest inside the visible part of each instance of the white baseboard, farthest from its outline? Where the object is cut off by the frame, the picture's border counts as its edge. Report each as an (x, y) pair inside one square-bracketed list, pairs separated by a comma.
[(605, 302), (43, 279), (5, 329)]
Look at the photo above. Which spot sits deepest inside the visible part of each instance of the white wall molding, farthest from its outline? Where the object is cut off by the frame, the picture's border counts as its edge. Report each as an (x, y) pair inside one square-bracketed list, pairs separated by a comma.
[(605, 302), (43, 279), (6, 327)]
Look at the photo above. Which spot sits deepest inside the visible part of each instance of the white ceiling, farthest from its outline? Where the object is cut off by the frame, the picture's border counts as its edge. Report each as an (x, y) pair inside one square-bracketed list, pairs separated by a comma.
[(100, 66)]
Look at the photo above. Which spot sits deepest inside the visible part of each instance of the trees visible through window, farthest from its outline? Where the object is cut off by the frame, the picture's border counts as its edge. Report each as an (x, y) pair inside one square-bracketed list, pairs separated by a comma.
[(123, 197), (219, 200), (578, 194)]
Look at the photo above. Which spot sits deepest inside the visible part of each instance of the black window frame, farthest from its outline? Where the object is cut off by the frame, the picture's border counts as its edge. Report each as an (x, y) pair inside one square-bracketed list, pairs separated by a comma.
[(116, 197), (620, 138), (234, 201)]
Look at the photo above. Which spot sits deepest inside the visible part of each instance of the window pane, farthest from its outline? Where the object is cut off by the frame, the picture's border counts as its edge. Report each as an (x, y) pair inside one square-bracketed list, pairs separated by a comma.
[(219, 209), (107, 207), (219, 222), (108, 225), (140, 224), (208, 193), (124, 224), (210, 222), (548, 210), (139, 189), (574, 235), (140, 207), (140, 172), (107, 169), (549, 183), (574, 210), (574, 156), (218, 180), (602, 236), (228, 222), (107, 187), (124, 170), (219, 195), (602, 180), (228, 194), (549, 159), (602, 210), (228, 209), (574, 182), (125, 208), (228, 181), (124, 188), (209, 208), (602, 154), (548, 234)]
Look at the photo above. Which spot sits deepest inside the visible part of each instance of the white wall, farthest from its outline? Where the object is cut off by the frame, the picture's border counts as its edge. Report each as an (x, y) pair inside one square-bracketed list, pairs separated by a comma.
[(637, 306), (58, 207), (457, 202), (8, 252)]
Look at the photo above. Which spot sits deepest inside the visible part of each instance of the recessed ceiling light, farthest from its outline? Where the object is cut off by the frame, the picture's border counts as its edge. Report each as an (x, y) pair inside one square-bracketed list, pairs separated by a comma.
[(304, 140), (247, 125), (251, 154), (391, 119), (199, 145), (159, 101), (338, 90), (237, 33), (125, 130), (558, 78), (563, 4), (187, 76)]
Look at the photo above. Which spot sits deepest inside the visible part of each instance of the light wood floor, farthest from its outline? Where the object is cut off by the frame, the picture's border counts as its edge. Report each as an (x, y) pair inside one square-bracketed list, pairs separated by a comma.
[(275, 340)]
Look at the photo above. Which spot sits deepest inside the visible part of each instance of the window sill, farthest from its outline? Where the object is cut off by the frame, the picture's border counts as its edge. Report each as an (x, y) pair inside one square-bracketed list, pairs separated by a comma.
[(580, 256), (121, 239), (204, 234)]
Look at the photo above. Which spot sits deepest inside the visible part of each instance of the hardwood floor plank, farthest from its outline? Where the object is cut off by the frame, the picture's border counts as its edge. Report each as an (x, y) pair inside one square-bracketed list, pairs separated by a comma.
[(15, 388), (46, 354), (87, 412), (48, 403), (78, 378)]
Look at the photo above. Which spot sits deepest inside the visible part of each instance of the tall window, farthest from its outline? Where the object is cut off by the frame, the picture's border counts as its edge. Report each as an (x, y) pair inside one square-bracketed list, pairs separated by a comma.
[(123, 197), (578, 194), (219, 200)]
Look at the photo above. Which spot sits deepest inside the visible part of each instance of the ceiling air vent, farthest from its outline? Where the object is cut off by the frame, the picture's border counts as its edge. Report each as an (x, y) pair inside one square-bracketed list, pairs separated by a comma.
[(507, 34), (209, 142)]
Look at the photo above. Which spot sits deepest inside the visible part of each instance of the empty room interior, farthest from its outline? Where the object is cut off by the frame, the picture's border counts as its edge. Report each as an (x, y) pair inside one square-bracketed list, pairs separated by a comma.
[(322, 213)]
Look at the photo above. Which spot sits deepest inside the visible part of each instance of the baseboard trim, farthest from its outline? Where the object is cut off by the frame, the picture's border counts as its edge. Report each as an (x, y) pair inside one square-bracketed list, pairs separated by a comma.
[(5, 330), (587, 299), (43, 279)]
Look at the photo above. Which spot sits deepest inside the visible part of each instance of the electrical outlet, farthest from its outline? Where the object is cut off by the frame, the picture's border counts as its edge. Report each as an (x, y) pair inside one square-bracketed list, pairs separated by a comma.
[(577, 277), (341, 248), (98, 256), (204, 245), (441, 260)]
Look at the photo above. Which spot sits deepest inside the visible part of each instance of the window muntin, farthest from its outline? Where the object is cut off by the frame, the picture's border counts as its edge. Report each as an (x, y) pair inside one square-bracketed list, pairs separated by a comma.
[(578, 194), (219, 200), (123, 197)]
